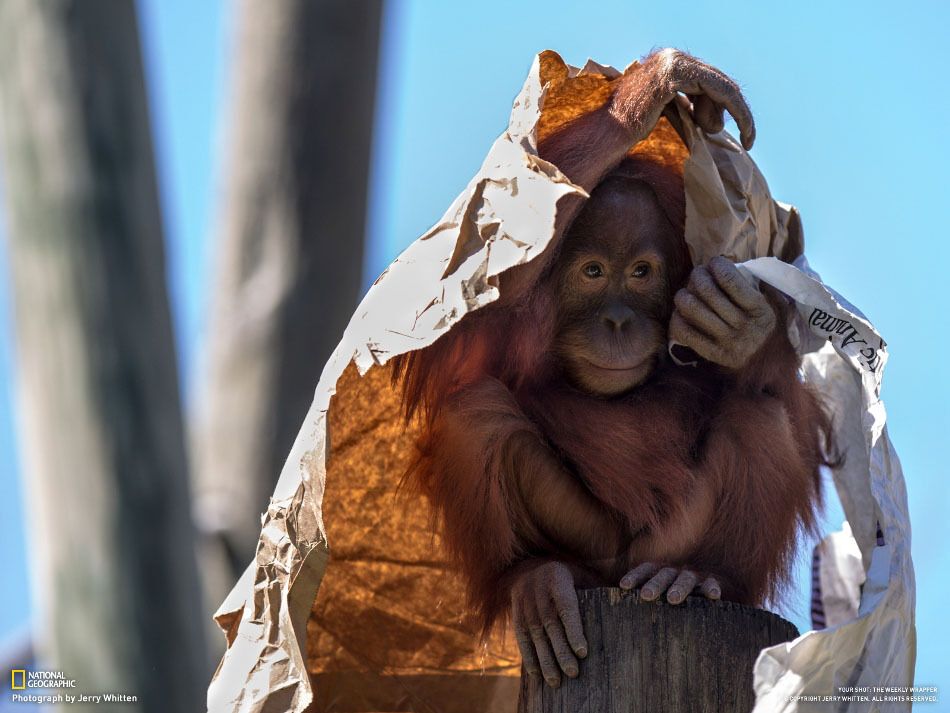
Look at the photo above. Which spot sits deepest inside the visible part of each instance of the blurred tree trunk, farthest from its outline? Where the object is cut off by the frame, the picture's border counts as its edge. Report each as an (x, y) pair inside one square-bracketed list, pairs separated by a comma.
[(289, 249), (112, 545)]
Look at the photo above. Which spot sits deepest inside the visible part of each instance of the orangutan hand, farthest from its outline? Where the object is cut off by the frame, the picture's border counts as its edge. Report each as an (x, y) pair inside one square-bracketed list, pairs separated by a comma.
[(678, 583), (721, 315), (663, 77), (547, 622)]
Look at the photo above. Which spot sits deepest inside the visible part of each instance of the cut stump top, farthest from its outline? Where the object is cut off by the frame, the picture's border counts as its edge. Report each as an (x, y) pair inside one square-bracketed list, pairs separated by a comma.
[(657, 657)]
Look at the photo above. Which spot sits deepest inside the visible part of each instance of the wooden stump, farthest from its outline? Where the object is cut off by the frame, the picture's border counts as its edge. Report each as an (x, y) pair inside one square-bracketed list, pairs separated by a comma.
[(654, 657)]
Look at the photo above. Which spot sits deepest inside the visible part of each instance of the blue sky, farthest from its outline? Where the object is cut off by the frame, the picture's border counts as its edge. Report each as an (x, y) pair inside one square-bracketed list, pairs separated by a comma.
[(850, 112)]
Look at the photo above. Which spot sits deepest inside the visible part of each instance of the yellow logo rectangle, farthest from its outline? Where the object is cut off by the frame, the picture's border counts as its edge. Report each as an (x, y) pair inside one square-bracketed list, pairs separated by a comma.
[(13, 683)]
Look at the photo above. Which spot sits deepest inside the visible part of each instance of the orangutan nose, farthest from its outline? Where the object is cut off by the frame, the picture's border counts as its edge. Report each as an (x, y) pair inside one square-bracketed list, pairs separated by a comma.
[(617, 316)]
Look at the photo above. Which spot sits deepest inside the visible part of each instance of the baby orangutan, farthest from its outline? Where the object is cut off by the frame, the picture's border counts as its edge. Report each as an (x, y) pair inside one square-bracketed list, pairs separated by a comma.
[(561, 445)]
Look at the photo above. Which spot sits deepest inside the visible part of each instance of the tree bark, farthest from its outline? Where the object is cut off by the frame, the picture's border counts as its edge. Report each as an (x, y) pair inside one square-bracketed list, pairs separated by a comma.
[(117, 597), (290, 252), (648, 657)]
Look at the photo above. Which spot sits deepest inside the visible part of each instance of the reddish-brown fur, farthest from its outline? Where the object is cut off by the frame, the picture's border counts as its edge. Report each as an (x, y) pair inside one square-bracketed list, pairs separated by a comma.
[(495, 405)]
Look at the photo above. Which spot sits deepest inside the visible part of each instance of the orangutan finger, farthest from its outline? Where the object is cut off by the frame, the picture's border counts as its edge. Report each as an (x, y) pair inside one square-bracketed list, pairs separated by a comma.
[(710, 588), (528, 656), (562, 650), (737, 106), (565, 603), (556, 636), (703, 286), (680, 589), (693, 77), (736, 286), (734, 101), (707, 114), (550, 670), (656, 586), (698, 314), (681, 332), (638, 575)]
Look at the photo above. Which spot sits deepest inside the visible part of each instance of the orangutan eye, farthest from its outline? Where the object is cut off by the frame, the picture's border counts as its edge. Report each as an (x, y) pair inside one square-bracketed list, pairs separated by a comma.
[(641, 270), (593, 270)]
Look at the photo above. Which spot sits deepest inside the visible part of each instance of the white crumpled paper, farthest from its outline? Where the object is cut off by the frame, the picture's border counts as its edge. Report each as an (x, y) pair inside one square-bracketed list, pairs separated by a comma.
[(840, 575), (506, 216)]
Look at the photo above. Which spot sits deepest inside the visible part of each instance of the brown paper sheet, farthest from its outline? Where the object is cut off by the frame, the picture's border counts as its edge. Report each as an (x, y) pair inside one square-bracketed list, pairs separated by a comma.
[(349, 604)]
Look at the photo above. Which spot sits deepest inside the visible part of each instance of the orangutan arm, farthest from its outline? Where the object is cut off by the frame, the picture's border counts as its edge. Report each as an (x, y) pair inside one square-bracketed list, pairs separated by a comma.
[(587, 148), (503, 496), (550, 508)]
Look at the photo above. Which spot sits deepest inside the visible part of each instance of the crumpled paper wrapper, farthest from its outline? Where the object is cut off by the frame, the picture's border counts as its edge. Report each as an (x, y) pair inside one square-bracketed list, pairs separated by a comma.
[(350, 605), (839, 574)]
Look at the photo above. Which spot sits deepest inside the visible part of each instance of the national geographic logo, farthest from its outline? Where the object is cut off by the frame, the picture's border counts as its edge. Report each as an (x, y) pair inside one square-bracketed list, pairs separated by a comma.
[(53, 687), (21, 679)]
